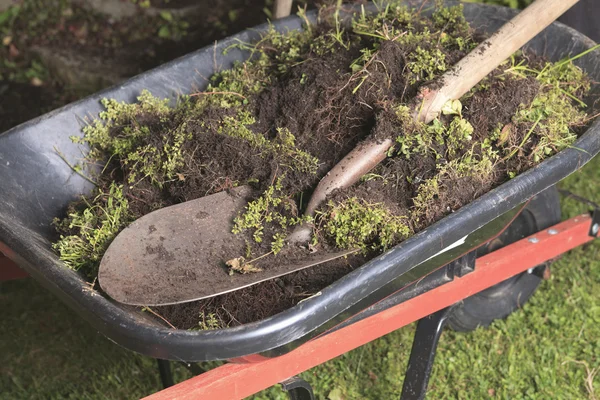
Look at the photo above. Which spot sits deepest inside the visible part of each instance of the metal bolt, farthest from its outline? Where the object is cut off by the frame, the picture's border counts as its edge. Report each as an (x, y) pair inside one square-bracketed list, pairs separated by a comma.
[(595, 229), (533, 240), (552, 231)]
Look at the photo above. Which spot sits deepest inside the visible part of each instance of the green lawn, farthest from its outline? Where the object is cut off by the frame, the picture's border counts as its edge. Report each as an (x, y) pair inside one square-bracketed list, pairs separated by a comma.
[(549, 349)]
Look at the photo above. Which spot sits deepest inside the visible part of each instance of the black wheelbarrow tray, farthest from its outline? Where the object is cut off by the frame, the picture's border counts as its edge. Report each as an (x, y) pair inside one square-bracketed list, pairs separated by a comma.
[(36, 185)]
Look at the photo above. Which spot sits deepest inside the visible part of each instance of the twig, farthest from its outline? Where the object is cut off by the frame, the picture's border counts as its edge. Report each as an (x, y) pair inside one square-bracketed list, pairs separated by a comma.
[(203, 93), (230, 316), (421, 7), (62, 157), (159, 316), (590, 118), (523, 141), (589, 380), (259, 257)]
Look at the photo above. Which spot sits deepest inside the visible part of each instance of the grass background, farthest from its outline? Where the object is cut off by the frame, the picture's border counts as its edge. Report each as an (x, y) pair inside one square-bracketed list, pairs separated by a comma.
[(549, 349)]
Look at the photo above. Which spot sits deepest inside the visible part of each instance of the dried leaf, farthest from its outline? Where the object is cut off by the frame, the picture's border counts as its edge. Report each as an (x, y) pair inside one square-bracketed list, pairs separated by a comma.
[(240, 265), (505, 133)]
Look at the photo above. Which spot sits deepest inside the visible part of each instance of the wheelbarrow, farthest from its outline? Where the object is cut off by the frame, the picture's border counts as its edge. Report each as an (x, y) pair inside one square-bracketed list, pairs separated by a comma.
[(423, 276)]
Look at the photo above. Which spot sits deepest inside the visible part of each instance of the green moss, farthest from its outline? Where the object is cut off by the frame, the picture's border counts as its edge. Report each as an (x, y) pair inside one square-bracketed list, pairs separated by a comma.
[(288, 155), (239, 126), (428, 191), (209, 321), (426, 46), (421, 139), (119, 133), (92, 229), (458, 135), (282, 147), (377, 26), (355, 223), (554, 112), (278, 242), (274, 206), (426, 64), (452, 21), (480, 167)]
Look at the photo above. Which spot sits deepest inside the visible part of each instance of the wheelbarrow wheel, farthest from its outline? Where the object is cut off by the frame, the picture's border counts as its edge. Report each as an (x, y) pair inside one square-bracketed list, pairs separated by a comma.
[(500, 300)]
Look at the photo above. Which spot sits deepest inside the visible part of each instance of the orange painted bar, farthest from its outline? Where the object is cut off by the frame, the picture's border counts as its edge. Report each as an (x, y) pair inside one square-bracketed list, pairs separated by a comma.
[(9, 270), (236, 381)]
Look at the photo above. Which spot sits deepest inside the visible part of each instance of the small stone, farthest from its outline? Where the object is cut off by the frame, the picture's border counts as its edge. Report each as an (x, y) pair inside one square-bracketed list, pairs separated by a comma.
[(35, 81)]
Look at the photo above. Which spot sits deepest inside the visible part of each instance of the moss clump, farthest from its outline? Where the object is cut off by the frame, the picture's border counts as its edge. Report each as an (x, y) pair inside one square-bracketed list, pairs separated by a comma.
[(444, 139), (121, 132), (282, 146), (273, 207), (554, 111), (93, 225), (426, 64), (354, 223)]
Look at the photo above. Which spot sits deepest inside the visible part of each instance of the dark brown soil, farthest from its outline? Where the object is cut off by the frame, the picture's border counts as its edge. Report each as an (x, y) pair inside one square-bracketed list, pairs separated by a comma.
[(489, 109)]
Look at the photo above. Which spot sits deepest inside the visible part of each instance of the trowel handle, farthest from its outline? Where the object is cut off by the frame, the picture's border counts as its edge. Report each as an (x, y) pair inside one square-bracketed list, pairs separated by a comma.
[(489, 54), (456, 82)]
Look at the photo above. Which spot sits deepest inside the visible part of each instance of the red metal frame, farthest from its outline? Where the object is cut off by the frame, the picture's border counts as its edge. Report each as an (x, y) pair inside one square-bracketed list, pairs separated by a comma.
[(9, 270), (236, 381)]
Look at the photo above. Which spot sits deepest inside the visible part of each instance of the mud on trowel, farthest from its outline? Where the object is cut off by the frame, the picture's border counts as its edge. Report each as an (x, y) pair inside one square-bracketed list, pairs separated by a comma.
[(177, 254)]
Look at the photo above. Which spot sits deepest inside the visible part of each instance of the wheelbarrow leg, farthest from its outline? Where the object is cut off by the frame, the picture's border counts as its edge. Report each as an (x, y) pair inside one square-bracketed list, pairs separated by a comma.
[(298, 389), (422, 355), (164, 370)]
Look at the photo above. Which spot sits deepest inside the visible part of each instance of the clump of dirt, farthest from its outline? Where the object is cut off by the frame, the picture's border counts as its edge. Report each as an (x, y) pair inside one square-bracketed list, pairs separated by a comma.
[(282, 120)]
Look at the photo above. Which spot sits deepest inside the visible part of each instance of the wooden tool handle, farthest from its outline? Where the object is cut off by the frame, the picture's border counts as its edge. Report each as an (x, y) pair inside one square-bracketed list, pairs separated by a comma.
[(489, 54), (282, 8), (456, 82), (363, 158)]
